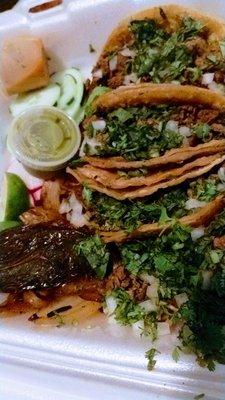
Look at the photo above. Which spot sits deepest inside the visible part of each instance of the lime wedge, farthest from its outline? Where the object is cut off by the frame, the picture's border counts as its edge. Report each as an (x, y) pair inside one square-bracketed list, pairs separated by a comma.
[(4, 225), (14, 198)]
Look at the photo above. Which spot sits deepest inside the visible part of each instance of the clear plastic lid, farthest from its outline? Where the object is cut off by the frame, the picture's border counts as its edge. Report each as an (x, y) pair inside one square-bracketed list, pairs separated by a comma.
[(43, 138)]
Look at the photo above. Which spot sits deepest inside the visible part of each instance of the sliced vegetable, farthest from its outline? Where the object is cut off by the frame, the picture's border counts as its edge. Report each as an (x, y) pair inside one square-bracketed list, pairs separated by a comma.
[(72, 87), (68, 90), (43, 97)]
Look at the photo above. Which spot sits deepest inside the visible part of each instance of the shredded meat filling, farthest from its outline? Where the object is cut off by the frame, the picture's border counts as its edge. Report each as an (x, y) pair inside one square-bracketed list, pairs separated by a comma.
[(219, 243), (120, 278)]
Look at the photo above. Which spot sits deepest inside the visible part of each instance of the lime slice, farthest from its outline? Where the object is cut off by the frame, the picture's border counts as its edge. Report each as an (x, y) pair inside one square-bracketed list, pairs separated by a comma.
[(14, 198), (4, 225)]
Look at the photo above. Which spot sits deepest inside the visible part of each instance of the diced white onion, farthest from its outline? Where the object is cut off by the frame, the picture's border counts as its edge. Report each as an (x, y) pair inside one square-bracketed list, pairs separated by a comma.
[(112, 320), (148, 306), (172, 126), (175, 82), (194, 203), (151, 279), (113, 63), (131, 78), (221, 174), (127, 52), (111, 305), (138, 327), (163, 328), (98, 73), (221, 187), (91, 142), (99, 124), (207, 78), (216, 87), (64, 207), (3, 297), (76, 216), (152, 291), (206, 278), (197, 233), (74, 211), (185, 131), (181, 299)]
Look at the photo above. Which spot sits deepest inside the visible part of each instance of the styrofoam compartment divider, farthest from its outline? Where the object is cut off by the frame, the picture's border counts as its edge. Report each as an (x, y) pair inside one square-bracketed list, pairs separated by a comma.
[(105, 362)]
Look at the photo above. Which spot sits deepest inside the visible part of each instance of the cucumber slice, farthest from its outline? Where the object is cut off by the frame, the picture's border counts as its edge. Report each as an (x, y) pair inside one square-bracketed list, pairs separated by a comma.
[(71, 92), (47, 96), (68, 91)]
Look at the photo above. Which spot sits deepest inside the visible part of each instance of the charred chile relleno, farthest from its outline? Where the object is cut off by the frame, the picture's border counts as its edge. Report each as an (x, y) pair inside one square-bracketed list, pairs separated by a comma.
[(47, 255)]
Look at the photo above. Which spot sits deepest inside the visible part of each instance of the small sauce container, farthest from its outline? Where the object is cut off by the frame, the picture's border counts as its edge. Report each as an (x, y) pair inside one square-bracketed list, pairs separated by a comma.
[(43, 139)]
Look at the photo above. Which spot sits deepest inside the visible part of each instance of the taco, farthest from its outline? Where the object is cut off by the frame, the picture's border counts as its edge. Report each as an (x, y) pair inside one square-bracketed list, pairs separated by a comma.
[(142, 177), (153, 125), (143, 191), (193, 203), (168, 43)]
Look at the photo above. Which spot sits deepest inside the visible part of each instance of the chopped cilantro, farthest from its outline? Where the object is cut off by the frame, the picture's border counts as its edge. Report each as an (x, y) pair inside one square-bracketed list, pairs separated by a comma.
[(199, 396), (129, 215), (91, 48), (168, 257), (178, 264), (76, 162), (194, 74), (202, 131), (161, 56), (139, 133), (96, 254), (204, 332), (133, 173), (205, 189), (176, 353), (150, 355), (127, 311), (87, 195)]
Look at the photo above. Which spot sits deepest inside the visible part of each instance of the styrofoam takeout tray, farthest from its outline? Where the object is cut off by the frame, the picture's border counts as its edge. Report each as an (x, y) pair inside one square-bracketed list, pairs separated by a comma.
[(105, 362)]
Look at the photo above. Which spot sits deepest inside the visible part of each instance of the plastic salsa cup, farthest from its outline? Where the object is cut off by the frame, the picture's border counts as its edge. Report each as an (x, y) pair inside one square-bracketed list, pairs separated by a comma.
[(43, 138)]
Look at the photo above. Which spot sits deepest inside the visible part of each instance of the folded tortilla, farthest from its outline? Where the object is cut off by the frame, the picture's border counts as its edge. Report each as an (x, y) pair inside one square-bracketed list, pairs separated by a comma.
[(147, 94), (206, 103), (169, 158), (143, 191), (198, 218), (167, 17), (114, 181)]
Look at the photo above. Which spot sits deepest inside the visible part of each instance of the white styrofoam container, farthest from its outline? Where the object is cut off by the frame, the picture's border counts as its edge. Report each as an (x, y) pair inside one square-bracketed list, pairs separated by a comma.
[(105, 362)]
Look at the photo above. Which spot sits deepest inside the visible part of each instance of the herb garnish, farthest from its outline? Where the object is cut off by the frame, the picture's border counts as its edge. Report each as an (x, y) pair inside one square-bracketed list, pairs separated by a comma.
[(128, 311), (178, 263), (129, 215), (202, 131), (150, 355), (96, 254), (163, 56), (130, 134)]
